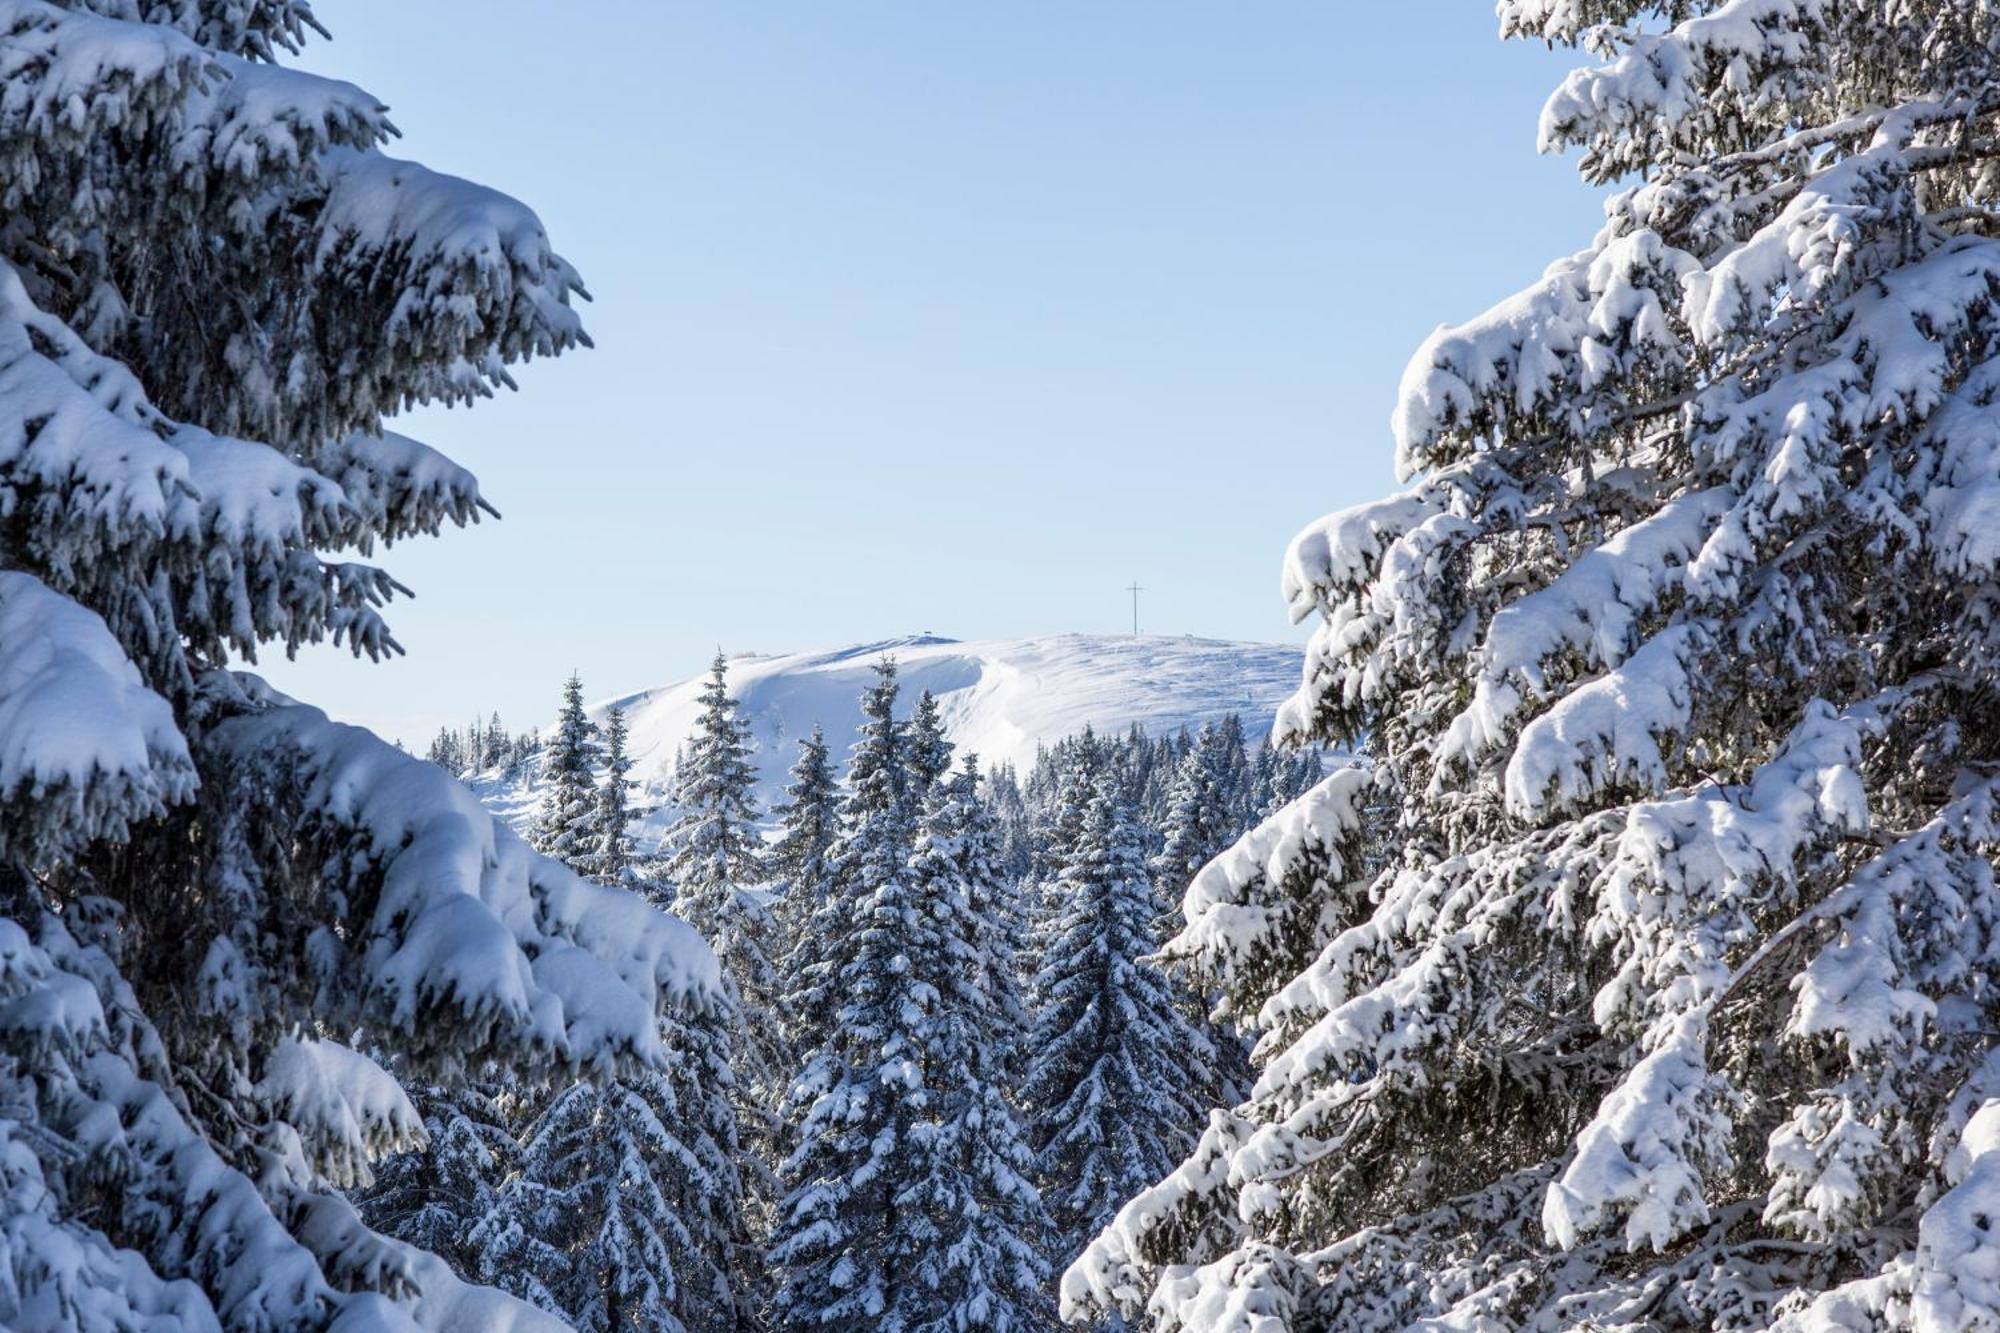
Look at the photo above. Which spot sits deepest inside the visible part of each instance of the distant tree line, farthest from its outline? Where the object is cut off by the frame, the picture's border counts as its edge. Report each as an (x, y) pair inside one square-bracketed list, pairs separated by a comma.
[(479, 745)]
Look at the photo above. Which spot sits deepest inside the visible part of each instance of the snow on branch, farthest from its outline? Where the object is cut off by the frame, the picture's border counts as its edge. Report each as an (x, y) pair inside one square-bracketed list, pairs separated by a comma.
[(1643, 1153), (1656, 97), (66, 75), (1560, 356), (463, 275), (85, 747), (1260, 903), (346, 1108), (1606, 734), (449, 917), (1591, 611), (174, 1194), (398, 486), (249, 119)]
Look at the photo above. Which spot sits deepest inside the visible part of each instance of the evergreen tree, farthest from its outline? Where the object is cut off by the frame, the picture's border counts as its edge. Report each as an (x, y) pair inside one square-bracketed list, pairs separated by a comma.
[(1114, 1068), (623, 1214), (1676, 661), (625, 1205), (1010, 813), (808, 821), (800, 863), (909, 1208), (873, 838), (989, 1265), (1000, 919), (611, 852), (854, 1229), (1199, 821), (1235, 771), (714, 841), (566, 825), (929, 751), (214, 288), (715, 864), (439, 1197)]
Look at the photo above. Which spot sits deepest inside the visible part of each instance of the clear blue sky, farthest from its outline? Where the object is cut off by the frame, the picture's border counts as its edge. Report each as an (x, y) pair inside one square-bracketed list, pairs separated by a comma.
[(949, 317)]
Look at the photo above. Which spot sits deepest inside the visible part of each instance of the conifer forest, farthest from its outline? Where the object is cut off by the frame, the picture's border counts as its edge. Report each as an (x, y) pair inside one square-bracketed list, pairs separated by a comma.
[(1598, 931)]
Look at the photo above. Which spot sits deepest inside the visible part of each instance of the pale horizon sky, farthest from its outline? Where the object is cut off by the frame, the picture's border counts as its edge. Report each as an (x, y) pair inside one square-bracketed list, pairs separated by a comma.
[(942, 318)]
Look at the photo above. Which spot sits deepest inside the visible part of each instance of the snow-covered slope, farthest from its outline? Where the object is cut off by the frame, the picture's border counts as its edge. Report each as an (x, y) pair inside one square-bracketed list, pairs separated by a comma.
[(1000, 697)]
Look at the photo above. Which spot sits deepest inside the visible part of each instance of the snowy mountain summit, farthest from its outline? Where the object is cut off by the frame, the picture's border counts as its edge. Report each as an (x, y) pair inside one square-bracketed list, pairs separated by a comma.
[(1000, 698)]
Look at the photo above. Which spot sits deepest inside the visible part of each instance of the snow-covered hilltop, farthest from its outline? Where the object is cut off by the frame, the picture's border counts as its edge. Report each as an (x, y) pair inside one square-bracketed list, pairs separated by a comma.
[(1000, 697)]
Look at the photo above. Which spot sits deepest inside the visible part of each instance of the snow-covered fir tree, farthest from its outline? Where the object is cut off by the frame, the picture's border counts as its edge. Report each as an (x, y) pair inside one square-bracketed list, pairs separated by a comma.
[(854, 1229), (809, 818), (620, 1218), (995, 1239), (1010, 812), (714, 864), (1204, 803), (483, 743), (440, 1196), (909, 1206), (611, 825), (224, 917), (566, 826), (1000, 918), (799, 863), (1674, 1008), (872, 840), (1114, 1074), (619, 1203), (930, 752), (1199, 819), (714, 840), (623, 1202)]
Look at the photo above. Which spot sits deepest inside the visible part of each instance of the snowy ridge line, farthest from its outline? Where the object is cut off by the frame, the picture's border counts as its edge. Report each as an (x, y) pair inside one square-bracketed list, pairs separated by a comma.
[(999, 698)]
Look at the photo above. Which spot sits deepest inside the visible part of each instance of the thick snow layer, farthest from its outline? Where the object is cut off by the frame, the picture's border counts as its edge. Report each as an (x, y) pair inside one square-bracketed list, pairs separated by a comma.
[(1000, 698), (343, 1100), (465, 917), (75, 717)]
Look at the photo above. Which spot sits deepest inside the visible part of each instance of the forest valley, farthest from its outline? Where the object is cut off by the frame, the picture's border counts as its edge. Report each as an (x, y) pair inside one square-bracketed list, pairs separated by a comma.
[(922, 951)]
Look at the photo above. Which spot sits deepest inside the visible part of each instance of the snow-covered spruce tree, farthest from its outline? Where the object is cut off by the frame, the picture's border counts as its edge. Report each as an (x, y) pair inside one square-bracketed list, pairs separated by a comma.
[(623, 1213), (1201, 819), (995, 1238), (1115, 1071), (873, 839), (213, 287), (440, 1196), (1235, 771), (623, 1206), (930, 752), (909, 1207), (1678, 655), (839, 1258), (566, 825), (809, 818), (611, 825), (714, 863), (1001, 918), (799, 862)]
